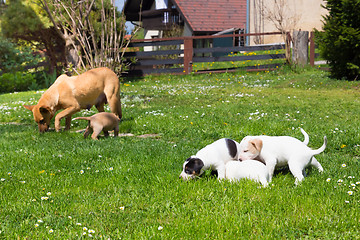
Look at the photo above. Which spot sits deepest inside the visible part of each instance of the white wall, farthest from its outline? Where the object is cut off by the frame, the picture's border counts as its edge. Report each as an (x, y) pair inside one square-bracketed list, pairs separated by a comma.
[(298, 14)]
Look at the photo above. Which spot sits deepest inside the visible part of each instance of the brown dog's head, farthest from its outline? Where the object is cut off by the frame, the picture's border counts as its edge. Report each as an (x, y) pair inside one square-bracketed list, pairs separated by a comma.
[(42, 116)]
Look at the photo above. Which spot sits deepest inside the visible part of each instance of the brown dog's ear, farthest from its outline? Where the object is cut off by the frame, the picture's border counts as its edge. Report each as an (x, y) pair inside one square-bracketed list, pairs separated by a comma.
[(257, 143), (44, 110), (29, 107)]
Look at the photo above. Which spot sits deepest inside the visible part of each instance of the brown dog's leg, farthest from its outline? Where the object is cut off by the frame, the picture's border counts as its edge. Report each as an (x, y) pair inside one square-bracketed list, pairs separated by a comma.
[(100, 103), (115, 106), (106, 133), (68, 122), (100, 107), (113, 98), (116, 131), (67, 112)]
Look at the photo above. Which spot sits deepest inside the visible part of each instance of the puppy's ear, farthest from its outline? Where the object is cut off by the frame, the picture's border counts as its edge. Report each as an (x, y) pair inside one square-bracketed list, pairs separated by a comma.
[(194, 166), (257, 143), (29, 107)]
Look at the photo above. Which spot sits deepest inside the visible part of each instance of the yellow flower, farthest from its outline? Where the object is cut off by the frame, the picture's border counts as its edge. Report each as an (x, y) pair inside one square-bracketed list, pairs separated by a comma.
[(42, 171), (126, 84), (342, 146)]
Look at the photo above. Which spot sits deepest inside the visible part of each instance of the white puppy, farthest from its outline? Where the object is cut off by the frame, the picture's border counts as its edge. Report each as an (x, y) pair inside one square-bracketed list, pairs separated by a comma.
[(214, 156), (251, 169), (281, 151)]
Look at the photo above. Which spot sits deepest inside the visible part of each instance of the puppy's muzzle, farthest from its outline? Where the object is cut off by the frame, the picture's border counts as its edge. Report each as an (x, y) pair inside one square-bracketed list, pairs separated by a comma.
[(186, 177)]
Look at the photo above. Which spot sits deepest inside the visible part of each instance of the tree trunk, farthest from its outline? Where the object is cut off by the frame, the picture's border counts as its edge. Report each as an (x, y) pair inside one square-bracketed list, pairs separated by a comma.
[(300, 48)]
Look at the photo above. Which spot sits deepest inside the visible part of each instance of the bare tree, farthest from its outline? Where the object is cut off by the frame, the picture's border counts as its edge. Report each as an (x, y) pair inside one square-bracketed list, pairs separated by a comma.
[(85, 45), (282, 16), (278, 12)]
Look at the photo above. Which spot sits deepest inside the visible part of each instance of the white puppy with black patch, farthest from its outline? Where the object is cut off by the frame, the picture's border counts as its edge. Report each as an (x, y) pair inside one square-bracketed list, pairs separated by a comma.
[(279, 151), (214, 156), (251, 169)]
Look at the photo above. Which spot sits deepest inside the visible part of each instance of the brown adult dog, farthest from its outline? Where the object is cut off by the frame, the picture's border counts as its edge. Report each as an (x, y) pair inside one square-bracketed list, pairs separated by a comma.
[(94, 87), (103, 121)]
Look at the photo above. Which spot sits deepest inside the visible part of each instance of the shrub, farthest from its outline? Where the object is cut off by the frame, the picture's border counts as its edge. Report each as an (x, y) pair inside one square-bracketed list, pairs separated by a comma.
[(14, 58), (10, 82), (339, 43)]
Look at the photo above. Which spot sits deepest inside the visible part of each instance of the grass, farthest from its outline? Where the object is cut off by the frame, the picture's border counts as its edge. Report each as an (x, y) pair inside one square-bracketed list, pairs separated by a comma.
[(61, 186), (242, 64)]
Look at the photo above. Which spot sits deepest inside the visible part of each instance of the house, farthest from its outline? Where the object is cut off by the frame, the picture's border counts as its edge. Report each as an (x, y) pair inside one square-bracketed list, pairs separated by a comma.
[(209, 17), (200, 17)]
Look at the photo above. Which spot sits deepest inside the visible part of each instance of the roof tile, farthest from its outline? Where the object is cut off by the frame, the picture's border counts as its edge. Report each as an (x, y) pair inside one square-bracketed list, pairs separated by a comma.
[(213, 15)]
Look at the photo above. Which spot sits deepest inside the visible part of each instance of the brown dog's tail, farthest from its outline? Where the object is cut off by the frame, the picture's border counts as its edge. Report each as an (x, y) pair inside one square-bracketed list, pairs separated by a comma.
[(82, 118)]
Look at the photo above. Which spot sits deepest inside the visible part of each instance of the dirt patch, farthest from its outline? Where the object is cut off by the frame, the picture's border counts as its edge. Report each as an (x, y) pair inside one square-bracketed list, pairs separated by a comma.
[(11, 123), (149, 135)]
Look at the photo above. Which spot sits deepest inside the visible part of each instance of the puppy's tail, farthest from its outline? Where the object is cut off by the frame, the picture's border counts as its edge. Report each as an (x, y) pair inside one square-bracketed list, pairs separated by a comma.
[(306, 136), (321, 149), (82, 118)]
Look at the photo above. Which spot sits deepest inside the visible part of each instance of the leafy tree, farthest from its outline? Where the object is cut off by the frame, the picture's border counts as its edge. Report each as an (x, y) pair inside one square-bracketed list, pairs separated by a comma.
[(340, 41), (80, 34), (12, 58), (25, 22)]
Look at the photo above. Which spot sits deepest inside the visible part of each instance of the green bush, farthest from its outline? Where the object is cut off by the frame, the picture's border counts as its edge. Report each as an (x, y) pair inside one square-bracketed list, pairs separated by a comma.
[(13, 76), (13, 58), (339, 43), (11, 82)]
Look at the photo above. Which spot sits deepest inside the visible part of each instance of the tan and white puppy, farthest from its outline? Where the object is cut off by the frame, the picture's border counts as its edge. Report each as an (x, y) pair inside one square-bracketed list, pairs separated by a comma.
[(214, 156), (102, 121), (279, 151), (94, 87), (251, 169)]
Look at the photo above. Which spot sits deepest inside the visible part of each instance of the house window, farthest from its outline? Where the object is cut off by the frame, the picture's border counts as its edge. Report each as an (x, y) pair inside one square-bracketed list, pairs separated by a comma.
[(155, 48)]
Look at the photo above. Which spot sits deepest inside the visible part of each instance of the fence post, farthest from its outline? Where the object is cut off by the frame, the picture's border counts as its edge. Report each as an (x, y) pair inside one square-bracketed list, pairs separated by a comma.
[(312, 49), (288, 47), (188, 54), (300, 47)]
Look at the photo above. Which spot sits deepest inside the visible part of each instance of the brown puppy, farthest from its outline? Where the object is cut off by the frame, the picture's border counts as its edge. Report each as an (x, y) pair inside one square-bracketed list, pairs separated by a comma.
[(94, 87), (103, 121)]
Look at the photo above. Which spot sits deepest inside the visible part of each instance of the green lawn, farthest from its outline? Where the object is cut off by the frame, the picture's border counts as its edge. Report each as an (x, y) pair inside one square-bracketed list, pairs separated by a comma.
[(61, 186)]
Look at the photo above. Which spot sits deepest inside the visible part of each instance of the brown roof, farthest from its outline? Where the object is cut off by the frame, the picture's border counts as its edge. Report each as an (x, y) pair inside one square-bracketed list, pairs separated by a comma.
[(213, 15)]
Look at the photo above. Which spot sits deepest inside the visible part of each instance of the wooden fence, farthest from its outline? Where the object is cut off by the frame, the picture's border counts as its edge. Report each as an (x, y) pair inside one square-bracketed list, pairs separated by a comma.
[(178, 55)]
